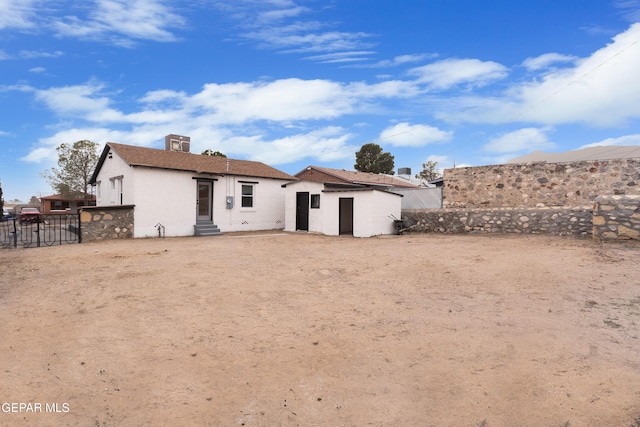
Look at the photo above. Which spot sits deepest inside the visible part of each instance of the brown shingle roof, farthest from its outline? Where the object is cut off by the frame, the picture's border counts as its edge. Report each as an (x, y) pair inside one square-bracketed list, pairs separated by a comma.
[(164, 159), (351, 177)]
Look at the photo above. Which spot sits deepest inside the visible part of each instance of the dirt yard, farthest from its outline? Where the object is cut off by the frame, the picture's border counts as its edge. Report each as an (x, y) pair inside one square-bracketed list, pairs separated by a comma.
[(305, 330)]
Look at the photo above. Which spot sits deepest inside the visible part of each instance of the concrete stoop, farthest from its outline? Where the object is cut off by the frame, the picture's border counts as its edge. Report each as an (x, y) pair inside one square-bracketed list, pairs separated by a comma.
[(204, 229)]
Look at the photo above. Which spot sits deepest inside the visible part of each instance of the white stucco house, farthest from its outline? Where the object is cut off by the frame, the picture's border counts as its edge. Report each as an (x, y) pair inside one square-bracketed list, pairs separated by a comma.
[(189, 194), (337, 202)]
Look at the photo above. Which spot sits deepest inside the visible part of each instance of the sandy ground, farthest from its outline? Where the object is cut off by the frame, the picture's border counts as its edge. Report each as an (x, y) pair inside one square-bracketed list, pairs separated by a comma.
[(306, 330)]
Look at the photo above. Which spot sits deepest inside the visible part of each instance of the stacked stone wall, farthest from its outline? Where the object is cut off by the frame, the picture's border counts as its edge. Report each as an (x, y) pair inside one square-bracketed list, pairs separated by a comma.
[(106, 222), (561, 221), (616, 218), (540, 184)]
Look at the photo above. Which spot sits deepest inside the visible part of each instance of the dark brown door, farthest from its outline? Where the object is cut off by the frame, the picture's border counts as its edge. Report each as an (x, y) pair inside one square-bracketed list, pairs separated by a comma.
[(346, 216), (302, 211)]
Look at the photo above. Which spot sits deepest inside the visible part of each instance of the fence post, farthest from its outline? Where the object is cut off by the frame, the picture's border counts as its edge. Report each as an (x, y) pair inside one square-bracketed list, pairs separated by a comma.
[(38, 233), (15, 233)]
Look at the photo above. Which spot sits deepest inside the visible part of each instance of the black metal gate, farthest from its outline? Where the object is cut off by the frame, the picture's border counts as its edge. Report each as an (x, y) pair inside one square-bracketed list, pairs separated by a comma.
[(49, 231)]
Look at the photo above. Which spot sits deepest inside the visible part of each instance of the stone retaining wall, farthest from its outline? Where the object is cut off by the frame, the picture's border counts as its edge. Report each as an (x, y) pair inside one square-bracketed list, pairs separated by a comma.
[(558, 221), (106, 222), (539, 184), (616, 218)]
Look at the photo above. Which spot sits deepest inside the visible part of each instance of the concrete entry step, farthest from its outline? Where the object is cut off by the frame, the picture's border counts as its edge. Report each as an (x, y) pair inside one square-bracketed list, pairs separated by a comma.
[(206, 229)]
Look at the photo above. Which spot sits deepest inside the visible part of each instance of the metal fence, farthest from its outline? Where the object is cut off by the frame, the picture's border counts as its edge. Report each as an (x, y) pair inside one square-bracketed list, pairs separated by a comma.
[(51, 230)]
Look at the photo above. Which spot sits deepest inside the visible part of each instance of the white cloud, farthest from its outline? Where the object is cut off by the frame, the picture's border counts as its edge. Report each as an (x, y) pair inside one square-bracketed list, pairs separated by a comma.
[(544, 61), (325, 144), (630, 9), (18, 14), (447, 73), (407, 135), (227, 104), (80, 101), (219, 115), (122, 21), (37, 70), (293, 40), (522, 140), (621, 140), (276, 15), (398, 60), (600, 90), (34, 54), (280, 100), (341, 57), (282, 26)]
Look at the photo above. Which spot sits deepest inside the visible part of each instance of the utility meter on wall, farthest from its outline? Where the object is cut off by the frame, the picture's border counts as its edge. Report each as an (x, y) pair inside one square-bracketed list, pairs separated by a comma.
[(229, 202)]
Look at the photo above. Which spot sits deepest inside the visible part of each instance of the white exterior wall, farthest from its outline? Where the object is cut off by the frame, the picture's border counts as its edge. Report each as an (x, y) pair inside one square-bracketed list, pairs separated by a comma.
[(384, 205), (108, 194), (372, 210), (169, 197), (163, 197), (267, 213), (316, 216)]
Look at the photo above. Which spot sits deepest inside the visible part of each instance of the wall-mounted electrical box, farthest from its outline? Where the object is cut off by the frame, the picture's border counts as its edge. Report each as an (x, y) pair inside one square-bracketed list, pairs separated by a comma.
[(229, 202)]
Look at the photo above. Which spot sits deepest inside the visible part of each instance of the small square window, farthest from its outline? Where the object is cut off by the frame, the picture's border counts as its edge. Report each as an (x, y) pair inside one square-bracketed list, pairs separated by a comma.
[(247, 196), (315, 201)]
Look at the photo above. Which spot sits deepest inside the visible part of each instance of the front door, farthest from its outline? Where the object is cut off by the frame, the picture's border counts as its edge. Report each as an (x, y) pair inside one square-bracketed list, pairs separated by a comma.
[(204, 201), (302, 211), (345, 222)]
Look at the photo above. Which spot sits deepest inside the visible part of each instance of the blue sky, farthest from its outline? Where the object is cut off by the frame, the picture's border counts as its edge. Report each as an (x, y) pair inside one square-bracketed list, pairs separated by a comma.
[(307, 82)]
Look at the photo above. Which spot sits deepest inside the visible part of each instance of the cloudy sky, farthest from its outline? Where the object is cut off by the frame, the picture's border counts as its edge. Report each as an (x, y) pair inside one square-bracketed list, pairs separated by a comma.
[(307, 82)]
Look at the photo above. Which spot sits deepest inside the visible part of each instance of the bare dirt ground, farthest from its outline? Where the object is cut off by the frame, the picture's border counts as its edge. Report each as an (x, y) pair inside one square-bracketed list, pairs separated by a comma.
[(306, 330)]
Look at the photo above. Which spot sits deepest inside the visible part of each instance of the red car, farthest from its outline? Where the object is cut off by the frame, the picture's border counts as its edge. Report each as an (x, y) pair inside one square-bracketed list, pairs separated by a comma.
[(30, 215)]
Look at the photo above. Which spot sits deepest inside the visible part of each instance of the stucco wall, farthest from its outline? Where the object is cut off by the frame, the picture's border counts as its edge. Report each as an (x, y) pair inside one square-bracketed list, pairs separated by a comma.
[(107, 222), (162, 197), (616, 218), (539, 183), (371, 210), (267, 213), (316, 216)]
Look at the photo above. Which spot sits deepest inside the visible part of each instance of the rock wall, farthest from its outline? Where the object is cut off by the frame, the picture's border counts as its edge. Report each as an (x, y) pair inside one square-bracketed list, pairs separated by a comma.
[(558, 221), (106, 222), (616, 218), (540, 184)]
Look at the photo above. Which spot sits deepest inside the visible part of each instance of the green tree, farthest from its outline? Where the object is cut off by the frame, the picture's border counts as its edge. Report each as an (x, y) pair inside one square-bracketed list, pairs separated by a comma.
[(429, 171), (370, 158), (209, 152), (76, 163)]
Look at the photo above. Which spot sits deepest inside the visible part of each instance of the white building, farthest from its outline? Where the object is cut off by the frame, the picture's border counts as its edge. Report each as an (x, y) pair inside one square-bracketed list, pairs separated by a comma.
[(337, 202), (189, 194)]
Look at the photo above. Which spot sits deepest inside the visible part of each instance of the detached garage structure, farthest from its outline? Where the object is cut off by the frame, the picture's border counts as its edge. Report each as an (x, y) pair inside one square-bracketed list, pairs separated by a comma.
[(336, 202)]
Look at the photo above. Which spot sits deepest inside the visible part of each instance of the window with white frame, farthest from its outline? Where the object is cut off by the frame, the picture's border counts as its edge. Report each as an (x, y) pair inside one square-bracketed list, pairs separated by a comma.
[(117, 190), (247, 195)]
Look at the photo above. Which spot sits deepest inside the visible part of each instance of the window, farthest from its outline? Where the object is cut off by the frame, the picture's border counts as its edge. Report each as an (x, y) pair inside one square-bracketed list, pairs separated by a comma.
[(315, 201), (247, 196), (117, 187)]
